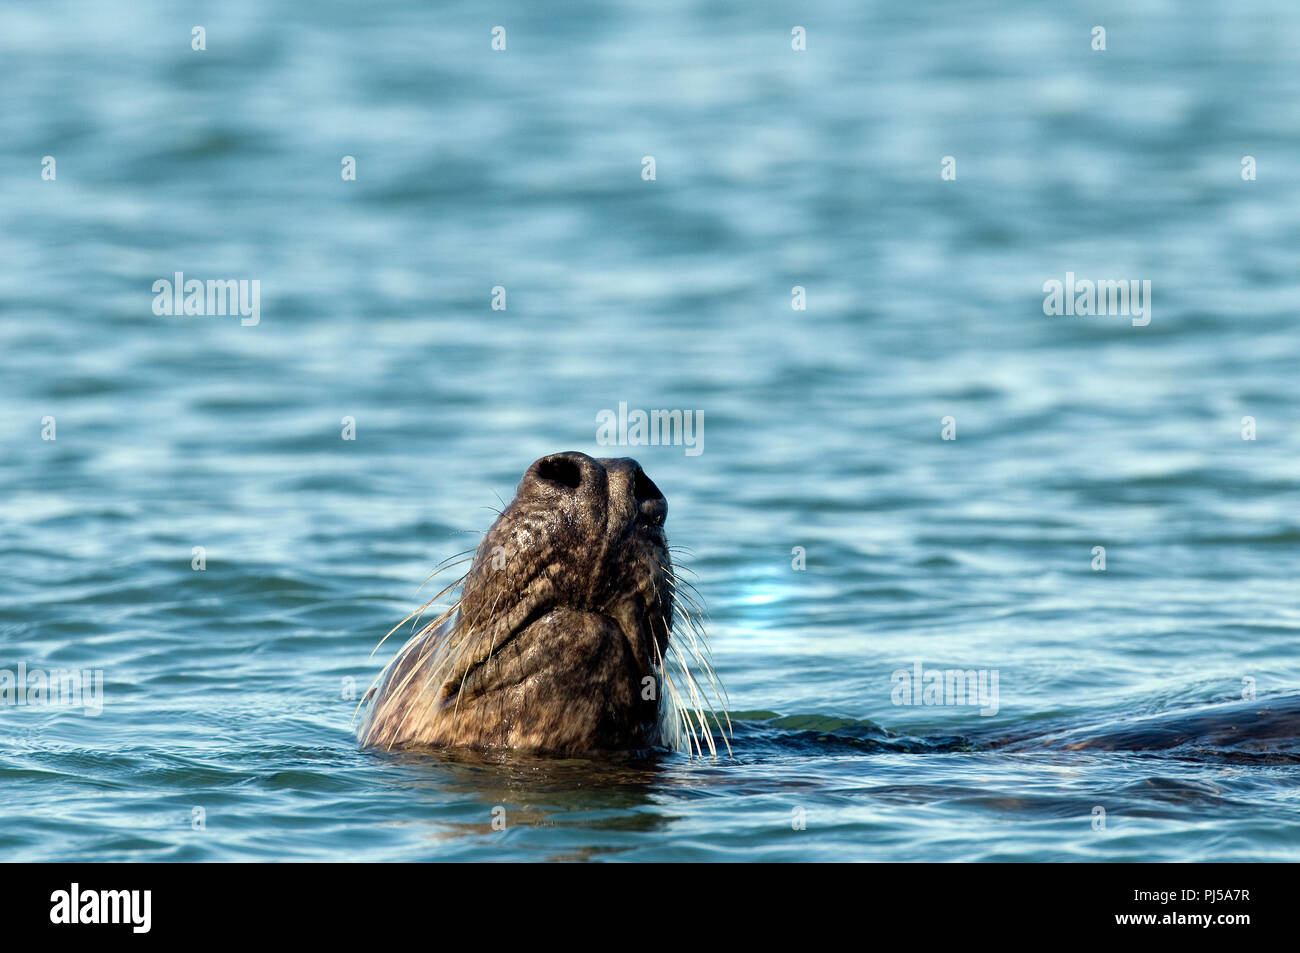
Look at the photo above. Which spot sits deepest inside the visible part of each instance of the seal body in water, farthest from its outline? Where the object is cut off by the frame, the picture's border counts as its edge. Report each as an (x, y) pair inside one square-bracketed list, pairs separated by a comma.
[(1266, 729), (559, 637)]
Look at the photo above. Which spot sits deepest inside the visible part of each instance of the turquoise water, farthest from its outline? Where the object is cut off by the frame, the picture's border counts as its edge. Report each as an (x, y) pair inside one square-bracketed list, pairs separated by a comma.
[(225, 690)]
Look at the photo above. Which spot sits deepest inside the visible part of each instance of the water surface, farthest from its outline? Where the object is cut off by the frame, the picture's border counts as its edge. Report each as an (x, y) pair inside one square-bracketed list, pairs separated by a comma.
[(225, 690)]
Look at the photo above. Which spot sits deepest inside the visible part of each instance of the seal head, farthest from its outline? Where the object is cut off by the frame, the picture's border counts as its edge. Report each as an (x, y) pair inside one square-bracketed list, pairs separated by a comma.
[(558, 640)]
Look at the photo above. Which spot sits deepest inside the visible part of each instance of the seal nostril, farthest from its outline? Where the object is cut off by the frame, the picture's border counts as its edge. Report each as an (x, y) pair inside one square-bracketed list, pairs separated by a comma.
[(652, 508), (644, 488), (563, 471)]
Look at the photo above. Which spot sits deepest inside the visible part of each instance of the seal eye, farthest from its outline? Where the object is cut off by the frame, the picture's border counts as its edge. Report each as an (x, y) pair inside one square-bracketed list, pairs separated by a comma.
[(560, 470)]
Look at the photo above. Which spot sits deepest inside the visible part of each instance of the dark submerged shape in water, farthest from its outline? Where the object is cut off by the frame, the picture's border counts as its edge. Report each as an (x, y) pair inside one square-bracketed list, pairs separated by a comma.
[(559, 638), (1264, 730), (1260, 731)]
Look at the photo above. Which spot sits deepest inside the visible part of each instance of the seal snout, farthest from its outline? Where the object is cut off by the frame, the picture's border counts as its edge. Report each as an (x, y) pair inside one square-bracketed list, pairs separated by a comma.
[(618, 485)]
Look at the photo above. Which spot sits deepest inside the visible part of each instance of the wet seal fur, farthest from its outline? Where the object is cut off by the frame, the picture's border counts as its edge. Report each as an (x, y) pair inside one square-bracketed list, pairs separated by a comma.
[(562, 639)]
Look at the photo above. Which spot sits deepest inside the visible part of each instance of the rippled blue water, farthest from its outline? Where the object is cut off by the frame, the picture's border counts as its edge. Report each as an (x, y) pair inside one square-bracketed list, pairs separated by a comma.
[(224, 688)]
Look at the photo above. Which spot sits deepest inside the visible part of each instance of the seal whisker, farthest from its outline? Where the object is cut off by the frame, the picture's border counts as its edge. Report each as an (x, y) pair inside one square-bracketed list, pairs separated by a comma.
[(697, 704), (491, 648), (374, 681), (700, 658), (698, 695), (718, 692), (680, 719), (429, 651), (682, 712), (401, 654), (447, 563), (692, 597), (690, 592), (694, 629), (406, 648), (424, 637), (416, 613)]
